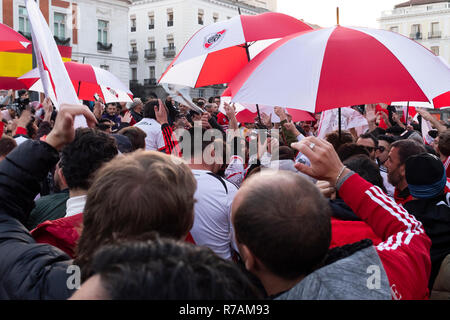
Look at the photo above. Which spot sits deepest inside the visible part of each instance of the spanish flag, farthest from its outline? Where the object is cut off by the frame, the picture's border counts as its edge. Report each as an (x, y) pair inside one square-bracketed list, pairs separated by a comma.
[(14, 64)]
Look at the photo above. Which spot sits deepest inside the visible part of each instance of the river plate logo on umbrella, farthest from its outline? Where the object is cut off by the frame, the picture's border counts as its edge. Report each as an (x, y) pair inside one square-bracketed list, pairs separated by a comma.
[(214, 39)]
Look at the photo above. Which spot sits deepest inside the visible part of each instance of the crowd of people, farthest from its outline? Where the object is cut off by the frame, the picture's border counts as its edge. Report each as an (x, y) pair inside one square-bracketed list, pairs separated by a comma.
[(147, 203)]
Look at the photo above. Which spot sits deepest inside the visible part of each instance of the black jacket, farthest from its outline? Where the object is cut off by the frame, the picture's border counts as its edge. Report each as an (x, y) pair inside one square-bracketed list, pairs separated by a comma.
[(435, 217), (28, 270)]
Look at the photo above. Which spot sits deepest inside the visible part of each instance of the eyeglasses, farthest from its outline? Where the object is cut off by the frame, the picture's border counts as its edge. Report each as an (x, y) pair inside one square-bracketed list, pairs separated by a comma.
[(381, 148)]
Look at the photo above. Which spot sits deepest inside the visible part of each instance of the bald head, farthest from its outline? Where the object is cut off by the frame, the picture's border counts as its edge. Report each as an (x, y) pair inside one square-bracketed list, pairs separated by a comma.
[(284, 221)]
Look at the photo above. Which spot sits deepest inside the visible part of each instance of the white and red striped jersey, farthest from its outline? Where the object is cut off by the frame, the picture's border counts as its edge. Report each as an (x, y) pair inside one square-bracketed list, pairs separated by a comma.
[(405, 248)]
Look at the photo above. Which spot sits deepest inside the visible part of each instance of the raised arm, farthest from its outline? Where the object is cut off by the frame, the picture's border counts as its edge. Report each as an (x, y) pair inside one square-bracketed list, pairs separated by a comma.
[(405, 250)]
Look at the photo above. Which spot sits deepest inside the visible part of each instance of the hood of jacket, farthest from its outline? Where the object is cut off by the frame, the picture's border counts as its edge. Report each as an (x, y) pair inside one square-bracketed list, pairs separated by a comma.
[(360, 276)]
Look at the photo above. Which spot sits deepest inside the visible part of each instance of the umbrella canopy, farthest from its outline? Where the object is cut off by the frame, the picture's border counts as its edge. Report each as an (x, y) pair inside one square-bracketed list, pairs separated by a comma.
[(11, 40), (87, 81), (340, 66), (216, 53)]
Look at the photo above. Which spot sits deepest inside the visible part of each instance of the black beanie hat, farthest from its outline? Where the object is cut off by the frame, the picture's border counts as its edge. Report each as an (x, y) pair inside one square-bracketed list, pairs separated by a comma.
[(425, 170)]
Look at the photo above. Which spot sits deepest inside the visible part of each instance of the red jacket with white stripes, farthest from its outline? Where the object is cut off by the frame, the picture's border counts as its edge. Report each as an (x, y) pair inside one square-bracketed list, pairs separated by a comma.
[(405, 248)]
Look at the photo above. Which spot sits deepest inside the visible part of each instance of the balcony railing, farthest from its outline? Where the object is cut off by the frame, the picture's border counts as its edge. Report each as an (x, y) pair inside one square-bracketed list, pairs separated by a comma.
[(62, 41), (434, 35), (150, 82), (169, 52), (133, 56), (150, 54), (134, 83), (26, 35), (416, 36), (104, 46)]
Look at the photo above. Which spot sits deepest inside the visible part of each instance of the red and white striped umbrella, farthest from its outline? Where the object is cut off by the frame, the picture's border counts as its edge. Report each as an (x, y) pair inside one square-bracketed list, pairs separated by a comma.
[(11, 40), (216, 53), (342, 66), (87, 81)]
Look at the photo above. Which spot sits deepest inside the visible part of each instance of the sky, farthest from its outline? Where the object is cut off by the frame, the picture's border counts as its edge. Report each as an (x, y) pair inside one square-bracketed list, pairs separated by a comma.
[(357, 13)]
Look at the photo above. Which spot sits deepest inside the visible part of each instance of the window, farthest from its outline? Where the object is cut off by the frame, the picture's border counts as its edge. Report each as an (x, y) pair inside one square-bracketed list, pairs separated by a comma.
[(434, 27), (59, 25), (151, 45), (201, 93), (416, 32), (152, 72), (134, 48), (104, 67), (133, 24), (171, 45), (24, 23), (169, 17), (151, 21), (394, 29), (215, 17), (435, 32), (133, 73), (435, 50), (103, 31), (200, 16)]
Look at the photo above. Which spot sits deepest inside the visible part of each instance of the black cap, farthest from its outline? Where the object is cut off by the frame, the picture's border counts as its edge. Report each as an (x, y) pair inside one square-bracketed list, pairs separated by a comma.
[(423, 169)]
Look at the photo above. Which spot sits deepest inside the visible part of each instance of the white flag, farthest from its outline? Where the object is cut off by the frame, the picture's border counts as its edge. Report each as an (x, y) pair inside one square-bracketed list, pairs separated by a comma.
[(350, 118), (181, 95), (54, 76), (426, 127)]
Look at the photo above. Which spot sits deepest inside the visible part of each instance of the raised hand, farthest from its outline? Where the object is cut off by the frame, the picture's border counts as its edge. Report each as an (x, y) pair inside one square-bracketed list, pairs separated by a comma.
[(63, 131), (279, 111), (325, 163), (127, 117)]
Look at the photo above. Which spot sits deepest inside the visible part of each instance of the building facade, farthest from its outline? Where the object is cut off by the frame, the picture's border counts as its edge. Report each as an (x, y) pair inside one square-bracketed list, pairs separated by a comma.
[(96, 30), (425, 21), (158, 30)]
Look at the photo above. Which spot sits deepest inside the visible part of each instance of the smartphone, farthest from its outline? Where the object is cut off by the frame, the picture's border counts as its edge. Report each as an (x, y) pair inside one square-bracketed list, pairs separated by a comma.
[(96, 97)]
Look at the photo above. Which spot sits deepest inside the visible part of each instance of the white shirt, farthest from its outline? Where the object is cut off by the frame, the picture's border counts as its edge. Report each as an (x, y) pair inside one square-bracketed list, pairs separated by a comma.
[(212, 220), (390, 189), (75, 205), (154, 140)]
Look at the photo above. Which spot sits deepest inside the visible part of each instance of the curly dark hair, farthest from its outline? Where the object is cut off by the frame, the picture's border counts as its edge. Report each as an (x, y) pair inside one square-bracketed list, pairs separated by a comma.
[(90, 149), (165, 269)]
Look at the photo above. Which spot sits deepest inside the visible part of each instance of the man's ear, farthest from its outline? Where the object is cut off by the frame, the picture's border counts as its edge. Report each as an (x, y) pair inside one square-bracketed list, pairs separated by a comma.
[(60, 174), (248, 257), (402, 170)]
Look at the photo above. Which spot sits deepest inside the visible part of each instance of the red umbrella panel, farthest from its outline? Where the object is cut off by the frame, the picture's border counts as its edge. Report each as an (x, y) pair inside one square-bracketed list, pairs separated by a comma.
[(217, 52), (87, 81), (11, 40), (342, 66)]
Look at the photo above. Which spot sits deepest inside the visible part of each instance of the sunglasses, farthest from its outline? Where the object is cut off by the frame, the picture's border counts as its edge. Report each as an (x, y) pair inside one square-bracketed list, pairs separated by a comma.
[(382, 149), (370, 149)]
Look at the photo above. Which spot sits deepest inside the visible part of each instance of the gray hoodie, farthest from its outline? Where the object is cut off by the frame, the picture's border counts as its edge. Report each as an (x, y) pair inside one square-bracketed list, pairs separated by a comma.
[(360, 276)]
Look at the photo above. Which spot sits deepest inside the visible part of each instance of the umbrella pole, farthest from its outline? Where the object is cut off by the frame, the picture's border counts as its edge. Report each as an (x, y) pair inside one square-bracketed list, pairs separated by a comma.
[(339, 120), (339, 109), (248, 59), (407, 114), (79, 83)]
